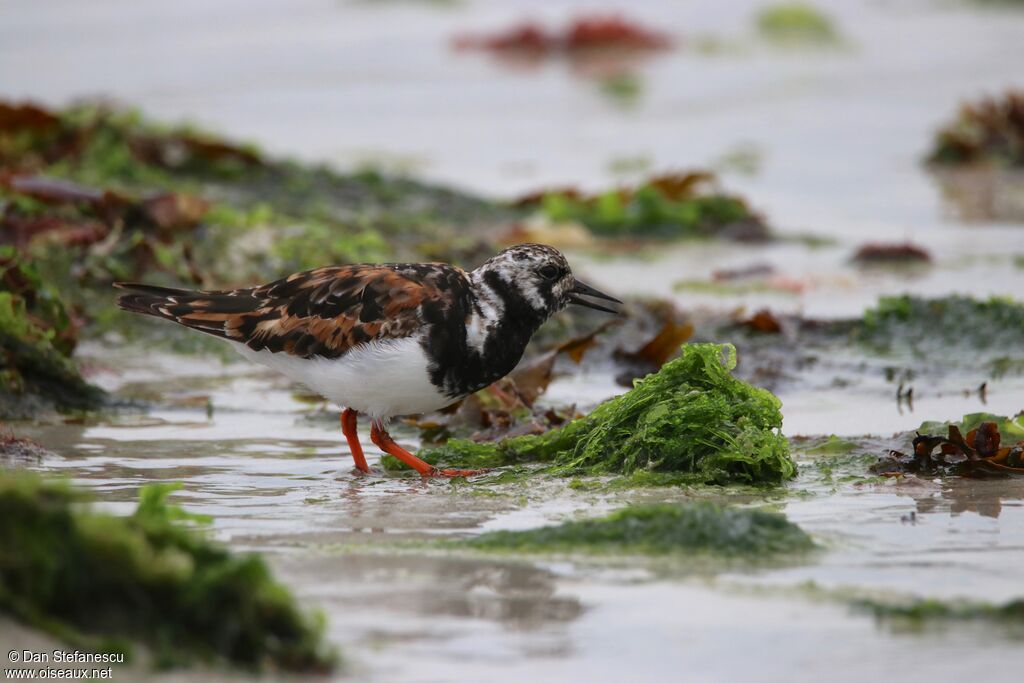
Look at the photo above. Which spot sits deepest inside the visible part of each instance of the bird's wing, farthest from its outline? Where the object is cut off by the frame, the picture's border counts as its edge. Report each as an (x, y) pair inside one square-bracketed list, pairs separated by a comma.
[(322, 312)]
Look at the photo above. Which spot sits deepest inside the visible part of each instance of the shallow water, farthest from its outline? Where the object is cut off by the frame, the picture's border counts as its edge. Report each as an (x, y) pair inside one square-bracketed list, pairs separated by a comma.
[(279, 481), (839, 135)]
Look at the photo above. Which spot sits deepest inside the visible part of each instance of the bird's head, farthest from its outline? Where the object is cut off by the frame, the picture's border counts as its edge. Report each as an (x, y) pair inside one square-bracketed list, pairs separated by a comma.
[(538, 277)]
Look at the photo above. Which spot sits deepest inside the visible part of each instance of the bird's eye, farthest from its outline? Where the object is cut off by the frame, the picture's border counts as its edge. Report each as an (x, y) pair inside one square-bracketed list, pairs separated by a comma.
[(548, 272)]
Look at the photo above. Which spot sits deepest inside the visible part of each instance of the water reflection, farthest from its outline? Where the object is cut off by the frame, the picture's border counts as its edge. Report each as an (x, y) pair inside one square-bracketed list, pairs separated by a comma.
[(985, 497), (429, 604), (518, 596), (983, 194)]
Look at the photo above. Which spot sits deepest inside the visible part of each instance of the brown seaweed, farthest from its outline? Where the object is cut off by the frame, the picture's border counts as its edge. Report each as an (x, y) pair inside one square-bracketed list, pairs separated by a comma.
[(979, 453)]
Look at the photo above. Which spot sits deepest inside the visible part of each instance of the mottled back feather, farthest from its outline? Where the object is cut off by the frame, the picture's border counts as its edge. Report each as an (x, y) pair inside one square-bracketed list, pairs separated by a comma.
[(322, 312)]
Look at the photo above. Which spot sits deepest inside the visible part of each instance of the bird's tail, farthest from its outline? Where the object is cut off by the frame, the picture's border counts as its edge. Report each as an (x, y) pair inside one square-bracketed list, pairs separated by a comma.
[(150, 299), (209, 312)]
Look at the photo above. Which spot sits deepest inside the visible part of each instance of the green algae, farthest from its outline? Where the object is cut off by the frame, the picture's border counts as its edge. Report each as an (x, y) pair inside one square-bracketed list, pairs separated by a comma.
[(624, 89), (1005, 366), (253, 218), (901, 339), (1011, 428), (910, 612), (925, 610), (832, 461), (831, 445), (831, 471), (36, 342), (726, 288), (700, 528), (104, 581), (684, 206), (647, 213), (921, 325), (122, 149), (692, 419), (796, 23), (963, 313)]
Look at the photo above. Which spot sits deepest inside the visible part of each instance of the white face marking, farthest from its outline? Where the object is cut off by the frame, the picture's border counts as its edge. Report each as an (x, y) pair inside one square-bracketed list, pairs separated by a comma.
[(526, 286), (483, 322)]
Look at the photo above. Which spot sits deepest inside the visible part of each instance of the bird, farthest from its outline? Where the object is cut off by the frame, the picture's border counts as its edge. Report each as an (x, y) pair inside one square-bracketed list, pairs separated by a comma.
[(387, 339)]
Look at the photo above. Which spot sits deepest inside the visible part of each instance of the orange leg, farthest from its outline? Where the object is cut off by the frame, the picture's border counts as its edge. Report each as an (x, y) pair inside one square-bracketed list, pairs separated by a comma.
[(348, 428), (383, 440)]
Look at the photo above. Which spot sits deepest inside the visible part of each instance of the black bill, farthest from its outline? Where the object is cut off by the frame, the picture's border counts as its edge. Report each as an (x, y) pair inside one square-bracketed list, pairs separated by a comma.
[(581, 290)]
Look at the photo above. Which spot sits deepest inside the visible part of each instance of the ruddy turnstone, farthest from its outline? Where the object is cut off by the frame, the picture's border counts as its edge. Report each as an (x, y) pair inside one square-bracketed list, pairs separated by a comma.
[(385, 339)]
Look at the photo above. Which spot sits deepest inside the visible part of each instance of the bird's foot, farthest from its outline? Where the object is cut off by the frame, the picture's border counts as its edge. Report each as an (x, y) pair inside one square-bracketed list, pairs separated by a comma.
[(434, 472)]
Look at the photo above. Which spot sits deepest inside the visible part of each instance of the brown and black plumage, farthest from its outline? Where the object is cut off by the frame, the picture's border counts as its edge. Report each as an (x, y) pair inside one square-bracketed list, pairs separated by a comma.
[(316, 313)]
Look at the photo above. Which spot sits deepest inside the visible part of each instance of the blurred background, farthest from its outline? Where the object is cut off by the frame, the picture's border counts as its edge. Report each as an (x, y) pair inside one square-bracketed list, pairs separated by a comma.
[(821, 120), (839, 121)]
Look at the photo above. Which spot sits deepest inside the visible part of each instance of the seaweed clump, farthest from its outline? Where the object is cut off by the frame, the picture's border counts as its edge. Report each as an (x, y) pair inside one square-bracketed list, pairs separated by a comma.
[(921, 611), (100, 580), (37, 337), (875, 253), (915, 323), (94, 193), (695, 528), (989, 131), (978, 452), (796, 23), (18, 451), (667, 206), (691, 421), (590, 32)]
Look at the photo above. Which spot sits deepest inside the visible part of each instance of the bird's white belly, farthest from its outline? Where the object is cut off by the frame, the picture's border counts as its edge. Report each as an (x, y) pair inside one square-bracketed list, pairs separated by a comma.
[(381, 379)]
